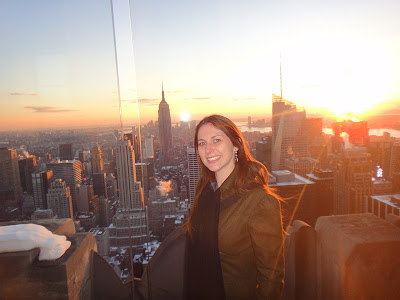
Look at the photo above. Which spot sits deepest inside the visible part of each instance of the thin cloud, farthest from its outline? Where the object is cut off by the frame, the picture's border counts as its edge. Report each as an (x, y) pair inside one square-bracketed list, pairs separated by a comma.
[(145, 101), (23, 94), (176, 92), (149, 101), (244, 99), (310, 86), (48, 109), (202, 98)]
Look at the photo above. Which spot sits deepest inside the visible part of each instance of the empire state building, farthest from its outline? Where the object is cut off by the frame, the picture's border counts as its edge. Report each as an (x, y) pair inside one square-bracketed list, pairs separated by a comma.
[(165, 131)]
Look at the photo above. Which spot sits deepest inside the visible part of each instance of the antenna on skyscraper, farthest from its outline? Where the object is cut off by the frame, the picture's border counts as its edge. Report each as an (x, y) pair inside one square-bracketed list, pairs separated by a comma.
[(280, 69)]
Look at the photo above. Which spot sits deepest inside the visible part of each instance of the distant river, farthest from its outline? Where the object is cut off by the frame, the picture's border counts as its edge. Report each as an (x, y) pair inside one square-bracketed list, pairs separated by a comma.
[(379, 132)]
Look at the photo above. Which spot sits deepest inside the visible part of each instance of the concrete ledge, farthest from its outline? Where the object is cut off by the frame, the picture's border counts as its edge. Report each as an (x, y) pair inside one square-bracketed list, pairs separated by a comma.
[(23, 276), (107, 284), (395, 220), (56, 226), (300, 279), (357, 257)]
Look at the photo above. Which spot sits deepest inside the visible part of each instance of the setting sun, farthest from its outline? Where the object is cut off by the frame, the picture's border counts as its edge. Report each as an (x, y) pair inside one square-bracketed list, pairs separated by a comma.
[(185, 116)]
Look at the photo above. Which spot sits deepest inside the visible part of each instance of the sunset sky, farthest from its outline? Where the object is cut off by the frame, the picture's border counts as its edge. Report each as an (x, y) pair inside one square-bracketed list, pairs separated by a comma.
[(58, 65)]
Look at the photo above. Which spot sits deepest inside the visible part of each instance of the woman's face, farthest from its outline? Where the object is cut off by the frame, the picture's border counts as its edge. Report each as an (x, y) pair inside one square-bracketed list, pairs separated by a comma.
[(216, 151)]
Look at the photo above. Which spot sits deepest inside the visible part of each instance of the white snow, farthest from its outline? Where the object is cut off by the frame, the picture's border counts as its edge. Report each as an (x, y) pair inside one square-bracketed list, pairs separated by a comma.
[(24, 237)]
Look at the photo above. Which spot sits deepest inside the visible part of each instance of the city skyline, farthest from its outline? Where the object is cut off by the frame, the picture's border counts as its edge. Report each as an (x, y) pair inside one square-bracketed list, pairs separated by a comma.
[(213, 57)]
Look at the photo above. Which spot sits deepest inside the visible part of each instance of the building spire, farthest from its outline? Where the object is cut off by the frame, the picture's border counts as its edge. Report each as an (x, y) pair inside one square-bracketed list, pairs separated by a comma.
[(280, 68), (162, 88)]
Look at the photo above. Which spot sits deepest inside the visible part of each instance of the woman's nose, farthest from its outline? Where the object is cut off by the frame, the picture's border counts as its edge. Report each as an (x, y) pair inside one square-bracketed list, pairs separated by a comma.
[(209, 148)]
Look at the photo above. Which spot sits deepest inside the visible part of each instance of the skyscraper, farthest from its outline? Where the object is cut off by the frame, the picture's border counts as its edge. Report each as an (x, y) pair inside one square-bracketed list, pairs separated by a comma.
[(142, 175), (82, 156), (129, 223), (96, 157), (10, 186), (352, 180), (194, 170), (289, 132), (300, 202), (264, 151), (165, 131), (40, 185), (302, 165), (71, 172), (99, 184), (59, 199), (130, 191), (149, 146), (65, 151), (27, 166)]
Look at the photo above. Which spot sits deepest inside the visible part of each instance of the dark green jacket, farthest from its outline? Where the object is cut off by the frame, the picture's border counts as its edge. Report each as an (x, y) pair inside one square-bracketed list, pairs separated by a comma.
[(250, 239)]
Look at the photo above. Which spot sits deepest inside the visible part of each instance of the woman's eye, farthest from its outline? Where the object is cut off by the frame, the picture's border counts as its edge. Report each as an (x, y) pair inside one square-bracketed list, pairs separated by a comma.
[(216, 140), (202, 143)]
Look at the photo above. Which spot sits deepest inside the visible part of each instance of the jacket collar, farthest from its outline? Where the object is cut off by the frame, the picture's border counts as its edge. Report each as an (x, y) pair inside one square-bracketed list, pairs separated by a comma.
[(227, 187)]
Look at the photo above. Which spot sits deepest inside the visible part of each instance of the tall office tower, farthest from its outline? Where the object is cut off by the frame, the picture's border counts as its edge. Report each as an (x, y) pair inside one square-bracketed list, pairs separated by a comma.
[(128, 229), (395, 166), (40, 185), (85, 196), (136, 148), (129, 137), (164, 131), (194, 170), (249, 121), (104, 212), (134, 139), (395, 158), (47, 157), (27, 166), (289, 132), (300, 203), (324, 191), (71, 172), (381, 186), (96, 157), (142, 175), (264, 151), (65, 152), (192, 125), (102, 237), (149, 147), (314, 127), (302, 165), (352, 180), (317, 141), (111, 186), (380, 148), (130, 191), (10, 185), (59, 199), (99, 184), (82, 156)]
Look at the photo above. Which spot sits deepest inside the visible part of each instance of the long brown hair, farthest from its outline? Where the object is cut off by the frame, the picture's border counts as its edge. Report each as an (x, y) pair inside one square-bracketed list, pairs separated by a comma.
[(251, 172)]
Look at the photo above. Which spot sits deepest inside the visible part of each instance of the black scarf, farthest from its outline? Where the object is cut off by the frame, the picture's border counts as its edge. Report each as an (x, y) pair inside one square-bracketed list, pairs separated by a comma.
[(203, 278)]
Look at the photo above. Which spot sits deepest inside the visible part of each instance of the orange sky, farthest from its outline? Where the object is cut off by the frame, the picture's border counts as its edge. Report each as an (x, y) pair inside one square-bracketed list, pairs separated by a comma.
[(61, 71)]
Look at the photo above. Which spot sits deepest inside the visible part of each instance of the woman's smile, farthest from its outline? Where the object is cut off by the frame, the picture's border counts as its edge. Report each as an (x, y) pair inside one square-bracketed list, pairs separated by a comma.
[(216, 151)]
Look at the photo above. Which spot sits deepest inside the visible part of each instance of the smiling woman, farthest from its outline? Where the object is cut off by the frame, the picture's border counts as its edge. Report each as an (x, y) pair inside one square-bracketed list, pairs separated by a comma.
[(234, 232)]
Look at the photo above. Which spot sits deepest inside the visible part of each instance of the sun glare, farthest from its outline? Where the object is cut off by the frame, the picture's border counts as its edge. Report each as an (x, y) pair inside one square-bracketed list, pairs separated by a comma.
[(185, 116), (350, 79)]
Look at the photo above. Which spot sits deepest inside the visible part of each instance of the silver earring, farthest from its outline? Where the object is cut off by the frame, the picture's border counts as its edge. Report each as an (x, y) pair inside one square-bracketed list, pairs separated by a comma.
[(236, 157)]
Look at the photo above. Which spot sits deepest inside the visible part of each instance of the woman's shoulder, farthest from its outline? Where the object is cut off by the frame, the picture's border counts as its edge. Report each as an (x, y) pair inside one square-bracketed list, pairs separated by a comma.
[(262, 198)]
